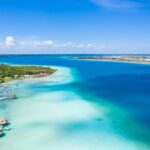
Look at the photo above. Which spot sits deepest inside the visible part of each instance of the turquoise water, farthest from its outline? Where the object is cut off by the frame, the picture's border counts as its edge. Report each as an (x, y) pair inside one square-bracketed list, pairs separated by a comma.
[(83, 106)]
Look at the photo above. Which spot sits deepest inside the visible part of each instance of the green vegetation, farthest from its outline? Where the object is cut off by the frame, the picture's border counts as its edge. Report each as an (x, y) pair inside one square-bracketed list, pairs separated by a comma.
[(8, 73)]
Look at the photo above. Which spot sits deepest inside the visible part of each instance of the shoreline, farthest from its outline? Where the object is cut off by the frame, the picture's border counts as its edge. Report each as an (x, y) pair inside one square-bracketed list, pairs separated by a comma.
[(61, 76), (7, 92), (30, 77), (48, 77), (11, 72), (116, 59), (58, 73)]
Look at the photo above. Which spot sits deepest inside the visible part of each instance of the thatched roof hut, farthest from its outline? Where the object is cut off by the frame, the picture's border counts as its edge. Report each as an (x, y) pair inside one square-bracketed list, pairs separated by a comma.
[(3, 121)]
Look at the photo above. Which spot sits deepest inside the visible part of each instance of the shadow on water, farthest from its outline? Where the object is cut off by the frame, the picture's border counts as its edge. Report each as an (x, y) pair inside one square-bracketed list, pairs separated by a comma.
[(2, 135)]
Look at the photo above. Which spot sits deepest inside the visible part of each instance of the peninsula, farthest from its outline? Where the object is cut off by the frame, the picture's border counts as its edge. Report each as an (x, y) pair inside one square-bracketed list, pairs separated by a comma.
[(9, 73), (131, 58)]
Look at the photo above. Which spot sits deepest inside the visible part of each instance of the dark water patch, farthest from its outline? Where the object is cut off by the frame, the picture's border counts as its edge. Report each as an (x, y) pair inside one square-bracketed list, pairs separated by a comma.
[(143, 68), (2, 135), (130, 91)]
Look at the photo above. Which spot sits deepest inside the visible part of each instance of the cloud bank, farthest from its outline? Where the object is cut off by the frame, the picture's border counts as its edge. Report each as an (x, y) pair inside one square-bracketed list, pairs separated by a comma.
[(11, 43), (34, 45)]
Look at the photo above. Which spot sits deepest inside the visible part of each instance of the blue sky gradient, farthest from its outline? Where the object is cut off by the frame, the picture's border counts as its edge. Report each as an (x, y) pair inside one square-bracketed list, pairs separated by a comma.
[(74, 26)]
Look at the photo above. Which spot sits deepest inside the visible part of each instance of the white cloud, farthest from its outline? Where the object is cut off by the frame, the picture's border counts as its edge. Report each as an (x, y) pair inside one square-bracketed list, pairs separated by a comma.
[(64, 45), (86, 46), (38, 44), (9, 41), (35, 43), (120, 4), (48, 42)]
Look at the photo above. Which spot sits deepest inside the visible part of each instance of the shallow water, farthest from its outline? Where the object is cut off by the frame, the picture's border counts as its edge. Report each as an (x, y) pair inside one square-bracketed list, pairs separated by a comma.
[(57, 113)]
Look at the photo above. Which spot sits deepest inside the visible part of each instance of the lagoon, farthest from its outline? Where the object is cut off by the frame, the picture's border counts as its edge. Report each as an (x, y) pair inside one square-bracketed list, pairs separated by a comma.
[(85, 105)]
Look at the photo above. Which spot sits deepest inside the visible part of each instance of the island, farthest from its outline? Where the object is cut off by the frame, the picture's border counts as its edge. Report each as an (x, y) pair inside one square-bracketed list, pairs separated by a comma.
[(121, 58), (9, 72)]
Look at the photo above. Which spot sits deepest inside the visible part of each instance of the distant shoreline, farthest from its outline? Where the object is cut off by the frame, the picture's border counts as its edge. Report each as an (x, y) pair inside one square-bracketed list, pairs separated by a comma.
[(121, 59)]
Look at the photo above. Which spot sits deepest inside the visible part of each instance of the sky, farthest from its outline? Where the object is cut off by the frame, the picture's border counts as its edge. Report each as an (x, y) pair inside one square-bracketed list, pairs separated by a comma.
[(74, 26)]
